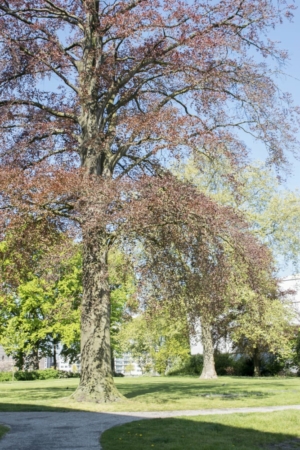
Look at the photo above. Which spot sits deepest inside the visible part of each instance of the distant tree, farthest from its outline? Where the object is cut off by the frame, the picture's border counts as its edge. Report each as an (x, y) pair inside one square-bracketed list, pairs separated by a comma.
[(272, 214), (261, 325), (135, 338), (42, 309), (271, 210), (296, 352), (39, 313), (156, 343), (209, 270), (123, 293)]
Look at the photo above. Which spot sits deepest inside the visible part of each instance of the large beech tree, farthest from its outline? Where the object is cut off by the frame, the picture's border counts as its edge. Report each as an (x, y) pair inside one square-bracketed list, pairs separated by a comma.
[(94, 91)]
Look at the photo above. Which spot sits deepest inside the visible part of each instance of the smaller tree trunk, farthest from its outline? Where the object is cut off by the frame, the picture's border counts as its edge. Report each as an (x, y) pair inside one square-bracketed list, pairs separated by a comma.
[(256, 362), (19, 359), (35, 358), (208, 371), (54, 357)]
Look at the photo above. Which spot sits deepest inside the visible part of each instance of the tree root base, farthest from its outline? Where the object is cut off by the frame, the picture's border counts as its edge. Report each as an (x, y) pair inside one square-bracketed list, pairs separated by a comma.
[(208, 376), (104, 393)]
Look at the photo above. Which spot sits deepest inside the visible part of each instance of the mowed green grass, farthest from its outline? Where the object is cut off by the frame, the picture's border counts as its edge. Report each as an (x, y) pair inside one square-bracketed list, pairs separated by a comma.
[(154, 394), (228, 432), (3, 430)]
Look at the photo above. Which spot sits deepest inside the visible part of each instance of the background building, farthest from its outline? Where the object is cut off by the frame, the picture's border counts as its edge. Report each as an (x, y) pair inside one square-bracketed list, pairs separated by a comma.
[(7, 362), (127, 365)]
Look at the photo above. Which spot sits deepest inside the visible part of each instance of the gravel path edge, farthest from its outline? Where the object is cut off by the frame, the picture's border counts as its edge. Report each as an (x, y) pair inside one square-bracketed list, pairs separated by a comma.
[(82, 430)]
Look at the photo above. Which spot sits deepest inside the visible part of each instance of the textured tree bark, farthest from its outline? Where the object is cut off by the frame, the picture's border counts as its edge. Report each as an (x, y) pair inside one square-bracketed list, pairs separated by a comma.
[(256, 363), (208, 371), (96, 383)]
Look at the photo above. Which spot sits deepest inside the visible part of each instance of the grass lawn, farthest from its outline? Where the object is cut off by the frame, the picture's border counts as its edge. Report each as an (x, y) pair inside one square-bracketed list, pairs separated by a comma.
[(236, 431), (154, 393), (3, 430)]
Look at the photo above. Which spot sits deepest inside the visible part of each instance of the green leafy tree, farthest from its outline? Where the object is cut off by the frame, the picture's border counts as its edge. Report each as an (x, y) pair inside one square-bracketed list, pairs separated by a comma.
[(41, 313), (296, 352), (123, 293), (272, 214), (135, 338), (261, 325), (156, 342), (42, 308)]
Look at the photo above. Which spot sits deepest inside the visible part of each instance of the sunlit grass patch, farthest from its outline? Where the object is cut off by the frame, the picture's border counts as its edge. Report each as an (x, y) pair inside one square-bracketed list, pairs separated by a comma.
[(154, 394)]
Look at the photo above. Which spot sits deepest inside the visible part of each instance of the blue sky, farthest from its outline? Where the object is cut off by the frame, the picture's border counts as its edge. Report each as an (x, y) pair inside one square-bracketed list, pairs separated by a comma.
[(289, 36)]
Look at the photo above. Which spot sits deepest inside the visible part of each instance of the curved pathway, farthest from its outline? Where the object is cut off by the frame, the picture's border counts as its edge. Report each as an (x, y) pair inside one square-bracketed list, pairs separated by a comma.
[(82, 430)]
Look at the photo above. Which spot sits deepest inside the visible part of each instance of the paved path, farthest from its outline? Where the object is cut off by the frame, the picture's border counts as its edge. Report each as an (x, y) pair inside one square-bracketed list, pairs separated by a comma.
[(81, 430)]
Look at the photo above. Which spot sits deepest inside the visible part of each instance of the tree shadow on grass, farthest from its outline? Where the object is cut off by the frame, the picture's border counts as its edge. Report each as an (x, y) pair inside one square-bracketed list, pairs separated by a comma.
[(167, 391), (64, 428), (160, 392), (28, 407), (205, 433)]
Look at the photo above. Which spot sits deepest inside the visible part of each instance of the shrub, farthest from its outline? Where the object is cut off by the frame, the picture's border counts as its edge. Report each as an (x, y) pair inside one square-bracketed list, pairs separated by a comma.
[(44, 374), (243, 366), (27, 376), (228, 364), (192, 367), (229, 370), (223, 363), (65, 374), (5, 376), (271, 365), (47, 374), (118, 374)]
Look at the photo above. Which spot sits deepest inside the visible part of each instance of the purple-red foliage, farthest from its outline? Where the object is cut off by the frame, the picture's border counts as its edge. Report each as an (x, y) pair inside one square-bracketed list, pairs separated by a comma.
[(96, 97)]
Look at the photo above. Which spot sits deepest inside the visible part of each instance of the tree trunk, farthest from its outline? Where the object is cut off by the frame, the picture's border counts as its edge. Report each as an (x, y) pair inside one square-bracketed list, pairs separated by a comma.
[(19, 359), (208, 371), (35, 358), (96, 382), (54, 357), (256, 363)]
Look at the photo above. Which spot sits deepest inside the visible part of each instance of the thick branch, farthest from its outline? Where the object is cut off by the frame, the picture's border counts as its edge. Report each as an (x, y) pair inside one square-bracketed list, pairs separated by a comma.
[(39, 105)]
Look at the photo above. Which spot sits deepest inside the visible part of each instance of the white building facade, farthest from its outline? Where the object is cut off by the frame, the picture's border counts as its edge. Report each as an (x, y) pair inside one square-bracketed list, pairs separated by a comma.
[(292, 284), (126, 365)]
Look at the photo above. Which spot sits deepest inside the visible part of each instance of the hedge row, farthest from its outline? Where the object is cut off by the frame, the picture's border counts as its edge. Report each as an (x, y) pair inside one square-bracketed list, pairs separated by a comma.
[(45, 374)]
